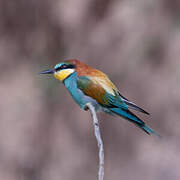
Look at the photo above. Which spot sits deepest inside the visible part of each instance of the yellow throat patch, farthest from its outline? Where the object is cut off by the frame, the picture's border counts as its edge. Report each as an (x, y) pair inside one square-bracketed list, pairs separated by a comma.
[(63, 74)]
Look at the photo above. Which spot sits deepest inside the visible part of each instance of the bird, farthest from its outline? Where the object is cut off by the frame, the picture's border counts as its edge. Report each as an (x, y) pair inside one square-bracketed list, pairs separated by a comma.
[(89, 85)]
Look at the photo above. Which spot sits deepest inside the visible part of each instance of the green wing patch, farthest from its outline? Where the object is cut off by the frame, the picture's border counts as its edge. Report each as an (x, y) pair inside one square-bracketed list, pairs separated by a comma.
[(92, 89)]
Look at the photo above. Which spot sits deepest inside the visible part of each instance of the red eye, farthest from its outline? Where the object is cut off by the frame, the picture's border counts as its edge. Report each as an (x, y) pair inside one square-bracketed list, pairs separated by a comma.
[(63, 66)]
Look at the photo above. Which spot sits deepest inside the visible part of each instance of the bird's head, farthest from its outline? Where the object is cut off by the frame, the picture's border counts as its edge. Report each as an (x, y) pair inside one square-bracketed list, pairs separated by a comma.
[(62, 70)]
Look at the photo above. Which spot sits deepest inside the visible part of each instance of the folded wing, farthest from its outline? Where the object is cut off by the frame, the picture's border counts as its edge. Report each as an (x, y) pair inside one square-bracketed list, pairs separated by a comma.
[(107, 95)]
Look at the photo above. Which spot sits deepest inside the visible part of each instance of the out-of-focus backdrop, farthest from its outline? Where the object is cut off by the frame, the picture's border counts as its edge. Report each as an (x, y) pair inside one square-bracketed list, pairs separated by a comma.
[(43, 134)]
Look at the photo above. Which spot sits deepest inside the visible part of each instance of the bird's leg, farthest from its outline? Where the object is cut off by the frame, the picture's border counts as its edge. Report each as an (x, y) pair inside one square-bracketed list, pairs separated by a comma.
[(97, 133)]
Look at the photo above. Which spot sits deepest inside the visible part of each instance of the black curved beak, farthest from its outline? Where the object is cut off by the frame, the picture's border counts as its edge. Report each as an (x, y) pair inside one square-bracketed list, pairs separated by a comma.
[(49, 71)]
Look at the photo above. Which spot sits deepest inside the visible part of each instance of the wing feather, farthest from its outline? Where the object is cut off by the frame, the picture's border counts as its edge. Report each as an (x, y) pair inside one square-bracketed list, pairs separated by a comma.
[(92, 89), (132, 105), (104, 92), (101, 91)]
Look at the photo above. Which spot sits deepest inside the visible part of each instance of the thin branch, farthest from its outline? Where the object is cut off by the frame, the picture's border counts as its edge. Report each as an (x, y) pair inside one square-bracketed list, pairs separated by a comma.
[(98, 138)]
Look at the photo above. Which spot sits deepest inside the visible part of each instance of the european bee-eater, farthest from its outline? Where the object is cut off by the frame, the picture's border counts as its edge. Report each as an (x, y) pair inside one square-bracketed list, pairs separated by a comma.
[(89, 85)]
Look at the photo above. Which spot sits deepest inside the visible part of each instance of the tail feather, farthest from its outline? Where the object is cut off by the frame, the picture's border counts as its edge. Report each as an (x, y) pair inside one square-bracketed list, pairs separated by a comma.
[(127, 114), (149, 131)]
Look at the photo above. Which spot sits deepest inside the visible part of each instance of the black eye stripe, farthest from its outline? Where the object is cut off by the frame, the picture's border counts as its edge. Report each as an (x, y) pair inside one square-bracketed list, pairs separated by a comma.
[(65, 66), (57, 69), (72, 66)]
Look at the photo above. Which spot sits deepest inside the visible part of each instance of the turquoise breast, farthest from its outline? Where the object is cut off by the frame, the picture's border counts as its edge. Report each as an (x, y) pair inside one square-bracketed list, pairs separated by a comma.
[(80, 98)]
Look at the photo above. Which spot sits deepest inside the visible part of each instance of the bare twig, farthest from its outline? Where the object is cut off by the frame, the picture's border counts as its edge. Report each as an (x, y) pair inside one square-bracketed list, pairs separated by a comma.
[(98, 138)]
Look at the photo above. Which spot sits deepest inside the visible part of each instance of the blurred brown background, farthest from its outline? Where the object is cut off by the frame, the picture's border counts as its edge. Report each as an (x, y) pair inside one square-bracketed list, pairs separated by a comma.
[(43, 134)]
